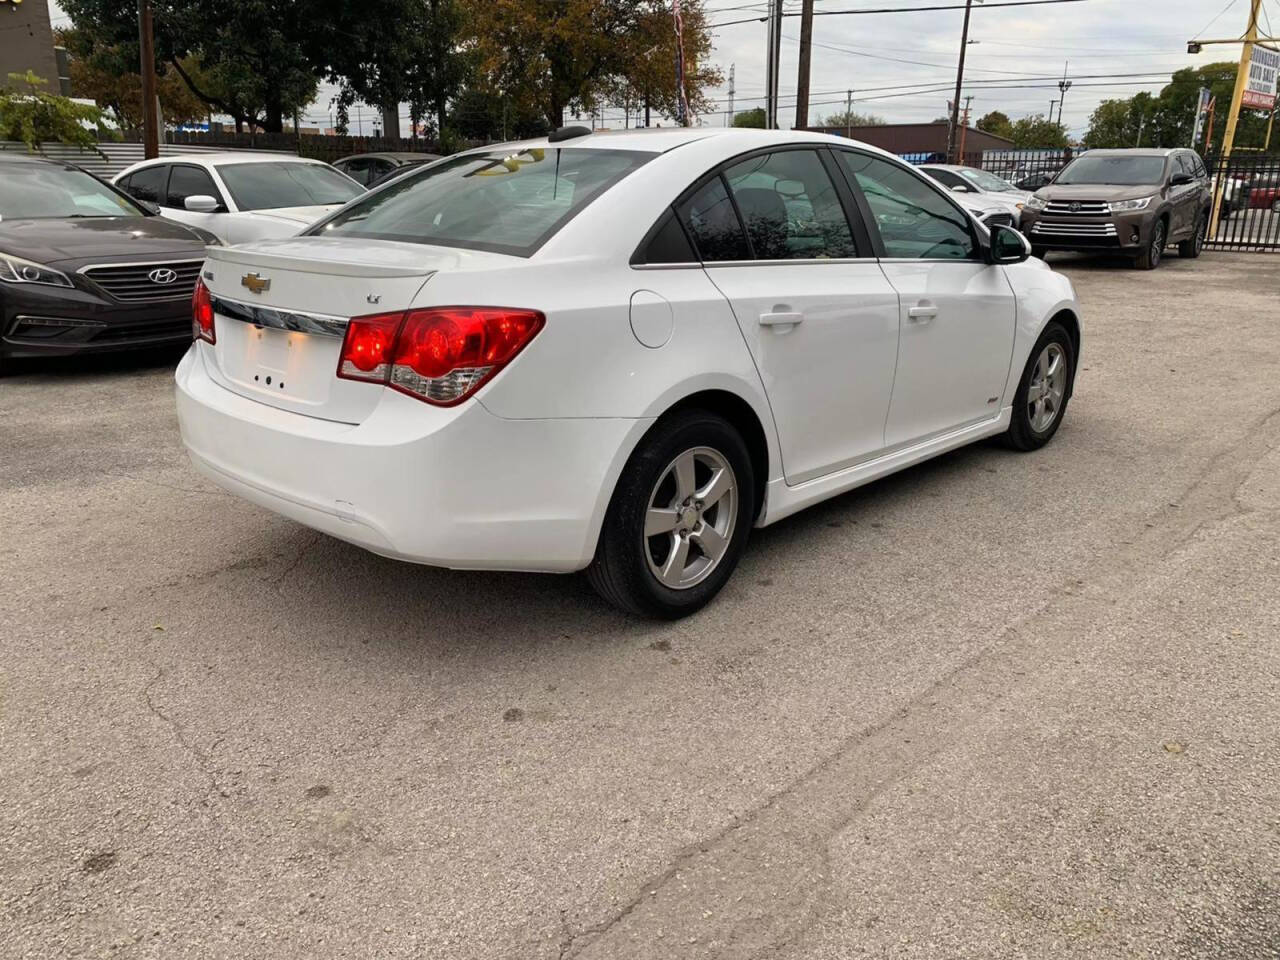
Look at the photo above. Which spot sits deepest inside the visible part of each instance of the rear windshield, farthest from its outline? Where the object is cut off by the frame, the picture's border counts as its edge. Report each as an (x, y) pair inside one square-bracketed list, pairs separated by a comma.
[(269, 186), (1120, 171), (498, 201)]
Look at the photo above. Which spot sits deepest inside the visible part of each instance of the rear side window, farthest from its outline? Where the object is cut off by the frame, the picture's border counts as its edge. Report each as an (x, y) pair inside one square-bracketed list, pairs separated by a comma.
[(186, 181), (790, 207), (149, 183), (499, 201), (710, 219), (949, 180), (667, 243), (914, 220)]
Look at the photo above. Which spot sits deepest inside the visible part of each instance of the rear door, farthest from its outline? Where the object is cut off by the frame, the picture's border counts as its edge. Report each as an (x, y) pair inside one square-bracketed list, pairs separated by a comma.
[(148, 184), (818, 315), (957, 311)]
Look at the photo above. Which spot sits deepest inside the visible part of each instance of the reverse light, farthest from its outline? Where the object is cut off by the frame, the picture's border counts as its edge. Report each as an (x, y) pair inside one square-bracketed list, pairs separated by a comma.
[(441, 355), (1121, 206), (202, 314)]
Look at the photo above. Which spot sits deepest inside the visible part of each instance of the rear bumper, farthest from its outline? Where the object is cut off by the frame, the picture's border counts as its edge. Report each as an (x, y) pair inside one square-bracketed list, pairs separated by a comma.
[(454, 487)]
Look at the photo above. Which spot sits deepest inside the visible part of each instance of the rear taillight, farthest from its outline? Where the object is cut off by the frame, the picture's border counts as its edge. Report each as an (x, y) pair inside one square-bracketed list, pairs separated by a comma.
[(442, 354), (202, 314)]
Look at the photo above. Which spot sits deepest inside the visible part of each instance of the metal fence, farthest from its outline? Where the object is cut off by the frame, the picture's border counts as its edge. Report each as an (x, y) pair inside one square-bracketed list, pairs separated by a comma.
[(1248, 184)]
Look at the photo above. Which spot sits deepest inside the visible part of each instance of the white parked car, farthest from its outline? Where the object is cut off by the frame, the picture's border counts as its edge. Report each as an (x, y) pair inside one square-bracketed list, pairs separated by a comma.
[(980, 184), (237, 195), (602, 352)]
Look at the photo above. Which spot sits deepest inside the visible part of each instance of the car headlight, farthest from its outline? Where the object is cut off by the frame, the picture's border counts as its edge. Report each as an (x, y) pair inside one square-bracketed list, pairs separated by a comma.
[(1019, 206), (1037, 203), (16, 270), (1120, 206)]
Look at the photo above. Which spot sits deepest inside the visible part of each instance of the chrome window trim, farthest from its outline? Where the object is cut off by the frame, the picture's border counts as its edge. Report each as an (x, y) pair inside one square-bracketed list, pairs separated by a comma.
[(259, 316), (786, 263), (138, 263)]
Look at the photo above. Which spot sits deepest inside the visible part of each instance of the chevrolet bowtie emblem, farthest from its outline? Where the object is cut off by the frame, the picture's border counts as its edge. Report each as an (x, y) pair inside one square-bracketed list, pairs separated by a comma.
[(255, 283)]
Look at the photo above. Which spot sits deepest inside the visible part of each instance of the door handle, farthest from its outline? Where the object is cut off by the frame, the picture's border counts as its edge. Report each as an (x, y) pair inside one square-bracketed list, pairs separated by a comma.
[(923, 312), (780, 319)]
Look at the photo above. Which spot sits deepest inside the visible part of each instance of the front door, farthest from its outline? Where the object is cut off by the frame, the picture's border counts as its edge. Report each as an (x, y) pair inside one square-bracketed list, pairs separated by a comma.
[(957, 311), (189, 180), (820, 322)]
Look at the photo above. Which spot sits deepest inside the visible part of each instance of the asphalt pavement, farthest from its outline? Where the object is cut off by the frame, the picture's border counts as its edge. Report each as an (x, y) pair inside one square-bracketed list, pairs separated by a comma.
[(997, 706)]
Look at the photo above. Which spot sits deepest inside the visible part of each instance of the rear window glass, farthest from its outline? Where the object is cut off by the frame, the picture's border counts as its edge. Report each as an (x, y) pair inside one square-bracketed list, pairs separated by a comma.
[(268, 186), (499, 201)]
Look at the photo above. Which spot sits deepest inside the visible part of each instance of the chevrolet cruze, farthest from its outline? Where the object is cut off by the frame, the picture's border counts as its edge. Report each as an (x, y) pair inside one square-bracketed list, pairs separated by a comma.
[(617, 352)]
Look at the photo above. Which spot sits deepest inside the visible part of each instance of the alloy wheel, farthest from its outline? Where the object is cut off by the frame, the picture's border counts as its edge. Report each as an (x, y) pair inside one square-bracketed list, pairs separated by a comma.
[(1048, 387), (690, 517)]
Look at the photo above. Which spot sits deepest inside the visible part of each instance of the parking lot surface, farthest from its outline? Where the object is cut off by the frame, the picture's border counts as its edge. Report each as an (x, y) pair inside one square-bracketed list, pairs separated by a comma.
[(999, 705)]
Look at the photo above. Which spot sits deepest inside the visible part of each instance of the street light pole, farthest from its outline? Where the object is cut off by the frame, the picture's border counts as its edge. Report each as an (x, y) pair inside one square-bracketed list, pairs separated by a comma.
[(1063, 86), (955, 102), (147, 68)]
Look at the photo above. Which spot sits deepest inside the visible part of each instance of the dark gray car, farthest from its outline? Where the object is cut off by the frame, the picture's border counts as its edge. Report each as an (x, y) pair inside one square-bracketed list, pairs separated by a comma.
[(83, 267), (1134, 202)]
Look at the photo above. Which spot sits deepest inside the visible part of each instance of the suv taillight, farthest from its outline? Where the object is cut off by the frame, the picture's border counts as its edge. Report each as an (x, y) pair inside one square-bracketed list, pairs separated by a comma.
[(440, 354), (202, 314)]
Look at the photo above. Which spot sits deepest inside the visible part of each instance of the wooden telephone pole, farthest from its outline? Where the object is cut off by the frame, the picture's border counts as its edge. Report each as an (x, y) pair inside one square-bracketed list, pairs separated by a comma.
[(147, 67), (806, 53)]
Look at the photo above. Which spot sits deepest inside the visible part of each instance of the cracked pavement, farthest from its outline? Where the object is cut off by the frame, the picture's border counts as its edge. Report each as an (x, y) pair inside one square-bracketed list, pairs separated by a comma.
[(996, 706)]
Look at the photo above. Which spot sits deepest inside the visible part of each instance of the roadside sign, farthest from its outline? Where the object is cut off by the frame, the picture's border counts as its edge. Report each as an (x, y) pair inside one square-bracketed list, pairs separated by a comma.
[(1260, 93)]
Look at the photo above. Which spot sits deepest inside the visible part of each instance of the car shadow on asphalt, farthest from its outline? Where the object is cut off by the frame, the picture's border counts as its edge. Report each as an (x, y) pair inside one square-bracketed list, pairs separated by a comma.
[(122, 363)]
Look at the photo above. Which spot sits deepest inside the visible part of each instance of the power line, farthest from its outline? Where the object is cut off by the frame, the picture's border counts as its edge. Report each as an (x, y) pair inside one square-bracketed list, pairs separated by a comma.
[(952, 6)]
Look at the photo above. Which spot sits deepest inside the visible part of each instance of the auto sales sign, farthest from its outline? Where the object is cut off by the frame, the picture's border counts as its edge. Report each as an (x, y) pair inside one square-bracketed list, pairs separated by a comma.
[(1260, 92)]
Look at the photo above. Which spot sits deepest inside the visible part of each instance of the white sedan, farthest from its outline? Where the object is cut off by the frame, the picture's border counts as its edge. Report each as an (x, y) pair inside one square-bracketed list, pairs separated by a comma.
[(237, 195), (618, 352), (970, 182)]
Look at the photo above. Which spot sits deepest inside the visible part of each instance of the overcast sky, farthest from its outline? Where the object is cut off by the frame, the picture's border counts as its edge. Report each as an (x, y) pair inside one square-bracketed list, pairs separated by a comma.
[(1017, 47)]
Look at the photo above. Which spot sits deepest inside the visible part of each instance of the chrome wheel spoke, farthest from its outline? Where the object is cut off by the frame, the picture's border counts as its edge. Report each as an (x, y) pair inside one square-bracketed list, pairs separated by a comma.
[(660, 520), (710, 542), (673, 570), (1047, 387), (684, 470), (721, 482)]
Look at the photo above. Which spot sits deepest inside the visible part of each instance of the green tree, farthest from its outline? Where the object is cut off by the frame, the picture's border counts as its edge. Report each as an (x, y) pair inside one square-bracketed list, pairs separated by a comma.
[(852, 118), (260, 59), (753, 118), (1038, 131), (30, 114), (98, 73), (572, 54), (997, 124), (1118, 123)]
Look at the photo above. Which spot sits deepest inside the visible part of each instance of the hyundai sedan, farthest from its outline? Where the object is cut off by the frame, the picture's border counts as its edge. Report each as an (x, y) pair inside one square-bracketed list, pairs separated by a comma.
[(617, 352)]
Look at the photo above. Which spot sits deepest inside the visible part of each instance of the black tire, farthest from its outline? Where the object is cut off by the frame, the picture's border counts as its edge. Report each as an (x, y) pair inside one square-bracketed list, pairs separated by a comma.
[(1022, 435), (1194, 244), (1151, 256), (620, 571)]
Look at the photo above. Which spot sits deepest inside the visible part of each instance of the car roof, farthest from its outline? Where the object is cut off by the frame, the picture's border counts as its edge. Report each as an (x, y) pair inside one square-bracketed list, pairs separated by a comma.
[(391, 155), (13, 156), (663, 139), (222, 157), (1134, 152)]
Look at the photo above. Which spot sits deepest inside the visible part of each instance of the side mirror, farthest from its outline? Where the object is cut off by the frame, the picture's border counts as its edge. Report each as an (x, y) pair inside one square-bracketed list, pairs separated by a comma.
[(1008, 245), (201, 203), (1180, 178)]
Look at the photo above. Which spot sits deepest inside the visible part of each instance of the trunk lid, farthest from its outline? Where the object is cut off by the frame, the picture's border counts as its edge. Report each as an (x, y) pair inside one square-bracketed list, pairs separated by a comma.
[(281, 309)]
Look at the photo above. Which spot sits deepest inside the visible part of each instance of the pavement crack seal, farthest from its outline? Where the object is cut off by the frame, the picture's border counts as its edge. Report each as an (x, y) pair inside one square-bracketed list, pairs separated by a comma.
[(755, 887), (295, 562), (205, 764)]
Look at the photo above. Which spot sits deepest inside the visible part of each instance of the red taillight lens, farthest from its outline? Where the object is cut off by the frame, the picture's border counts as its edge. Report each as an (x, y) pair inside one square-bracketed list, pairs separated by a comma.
[(441, 355), (202, 314), (366, 350)]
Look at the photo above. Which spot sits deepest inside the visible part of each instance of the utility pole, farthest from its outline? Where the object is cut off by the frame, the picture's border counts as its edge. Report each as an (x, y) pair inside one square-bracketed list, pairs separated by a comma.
[(848, 114), (1142, 122), (1051, 105), (768, 67), (1063, 86), (150, 108), (964, 126), (802, 77), (729, 119), (777, 60), (955, 103)]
